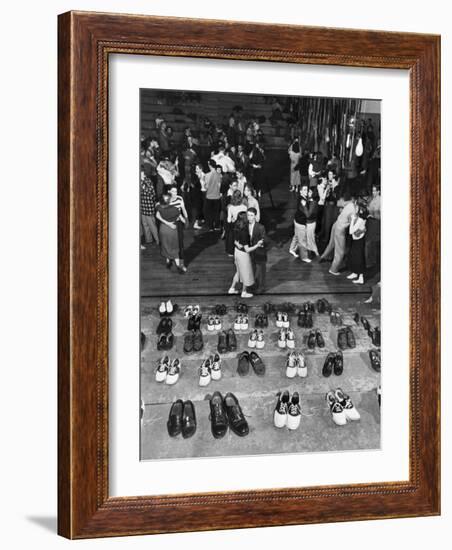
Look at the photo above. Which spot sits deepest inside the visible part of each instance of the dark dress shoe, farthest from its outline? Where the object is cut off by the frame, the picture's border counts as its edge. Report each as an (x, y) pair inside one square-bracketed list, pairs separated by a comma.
[(328, 306), (268, 308), (218, 416), (375, 361), (174, 423), (197, 321), (165, 325), (377, 337), (222, 342), (236, 418), (338, 363), (258, 321), (231, 340), (188, 342), (161, 342), (308, 320), (191, 322), (198, 342), (301, 319), (365, 323), (320, 306), (188, 420), (342, 339), (264, 321), (142, 340), (351, 342), (257, 363), (356, 318), (311, 340), (243, 365), (319, 339), (328, 365), (169, 340)]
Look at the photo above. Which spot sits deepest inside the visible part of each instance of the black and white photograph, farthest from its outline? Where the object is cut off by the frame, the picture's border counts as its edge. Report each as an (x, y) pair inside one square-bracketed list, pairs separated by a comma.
[(259, 274)]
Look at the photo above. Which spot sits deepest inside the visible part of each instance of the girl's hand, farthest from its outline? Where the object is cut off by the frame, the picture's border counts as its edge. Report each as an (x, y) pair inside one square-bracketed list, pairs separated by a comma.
[(171, 224)]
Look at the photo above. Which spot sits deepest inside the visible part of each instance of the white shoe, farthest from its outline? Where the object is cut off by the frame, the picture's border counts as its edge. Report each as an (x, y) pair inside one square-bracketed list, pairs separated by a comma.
[(333, 273), (162, 307), (293, 253), (162, 370), (205, 373), (352, 276), (290, 339), (291, 366), (217, 323), (232, 291), (246, 294), (336, 409), (169, 307), (143, 247), (281, 410), (244, 324), (302, 368), (282, 339), (349, 409), (294, 414), (285, 321), (252, 340), (173, 372), (279, 320), (306, 260), (238, 323), (196, 309), (215, 371), (196, 225), (359, 280), (260, 340)]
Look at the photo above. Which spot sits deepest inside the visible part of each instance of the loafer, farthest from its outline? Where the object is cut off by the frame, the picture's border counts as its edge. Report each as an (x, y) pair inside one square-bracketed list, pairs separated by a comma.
[(218, 416), (161, 342), (342, 339), (328, 365), (188, 342), (309, 323), (165, 325), (338, 363), (351, 342), (222, 342), (375, 360), (174, 423), (243, 365), (198, 342), (311, 340), (319, 339), (236, 418), (188, 420), (231, 340), (256, 363), (191, 322), (197, 321), (301, 319)]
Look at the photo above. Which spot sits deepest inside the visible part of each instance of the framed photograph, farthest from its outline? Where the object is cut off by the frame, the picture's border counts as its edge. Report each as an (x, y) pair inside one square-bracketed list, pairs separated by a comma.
[(248, 228)]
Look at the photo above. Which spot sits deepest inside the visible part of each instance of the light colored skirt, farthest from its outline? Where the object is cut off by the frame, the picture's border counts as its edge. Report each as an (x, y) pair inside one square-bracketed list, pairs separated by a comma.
[(244, 267), (310, 237)]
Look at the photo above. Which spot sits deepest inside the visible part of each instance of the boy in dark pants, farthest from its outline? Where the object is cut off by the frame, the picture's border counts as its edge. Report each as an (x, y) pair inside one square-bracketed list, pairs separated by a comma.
[(259, 256)]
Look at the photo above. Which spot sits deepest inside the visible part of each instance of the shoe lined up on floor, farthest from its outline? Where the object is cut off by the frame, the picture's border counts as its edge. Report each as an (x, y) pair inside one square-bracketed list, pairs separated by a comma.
[(346, 338), (241, 308), (213, 323), (341, 407), (165, 341), (375, 360), (287, 411), (296, 365), (305, 319), (168, 371), (165, 326), (192, 310), (194, 321), (315, 338), (245, 360), (226, 412), (335, 318), (375, 336), (334, 362), (193, 341), (220, 309), (241, 322), (227, 341), (256, 339), (142, 340), (166, 308), (182, 419), (261, 321), (286, 338), (282, 320), (210, 369), (379, 395), (323, 306)]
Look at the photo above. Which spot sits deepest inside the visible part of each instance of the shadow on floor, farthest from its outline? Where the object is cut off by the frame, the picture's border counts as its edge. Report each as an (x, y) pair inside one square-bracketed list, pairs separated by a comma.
[(49, 523)]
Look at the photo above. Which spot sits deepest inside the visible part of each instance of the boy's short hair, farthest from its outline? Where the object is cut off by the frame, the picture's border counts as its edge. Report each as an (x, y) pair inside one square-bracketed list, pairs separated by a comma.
[(253, 210)]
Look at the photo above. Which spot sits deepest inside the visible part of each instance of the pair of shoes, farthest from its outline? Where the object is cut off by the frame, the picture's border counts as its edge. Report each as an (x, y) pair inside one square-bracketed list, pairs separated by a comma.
[(346, 338), (341, 407), (256, 339), (227, 341), (191, 310), (261, 321), (168, 371), (241, 308), (323, 306), (335, 318), (287, 411), (334, 362), (305, 319), (166, 308), (296, 365), (194, 321), (286, 338), (220, 309), (182, 419), (193, 341), (315, 338), (210, 369), (375, 336), (375, 360), (142, 340), (165, 326), (268, 308), (226, 412), (282, 320), (241, 322), (246, 359), (165, 341), (213, 323)]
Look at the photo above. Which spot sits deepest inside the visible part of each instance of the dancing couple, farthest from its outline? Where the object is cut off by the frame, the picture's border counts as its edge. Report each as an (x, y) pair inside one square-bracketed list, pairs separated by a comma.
[(250, 254)]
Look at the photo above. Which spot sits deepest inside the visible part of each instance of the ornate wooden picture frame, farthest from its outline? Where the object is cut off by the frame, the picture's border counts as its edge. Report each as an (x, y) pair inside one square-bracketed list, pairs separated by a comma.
[(86, 40)]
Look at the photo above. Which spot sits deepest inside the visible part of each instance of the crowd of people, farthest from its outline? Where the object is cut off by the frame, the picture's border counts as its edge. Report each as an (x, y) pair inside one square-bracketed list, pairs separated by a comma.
[(218, 188)]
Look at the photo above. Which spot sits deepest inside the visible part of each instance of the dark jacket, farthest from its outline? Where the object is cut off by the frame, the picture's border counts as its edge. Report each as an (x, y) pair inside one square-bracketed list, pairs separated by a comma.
[(260, 254), (304, 213)]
